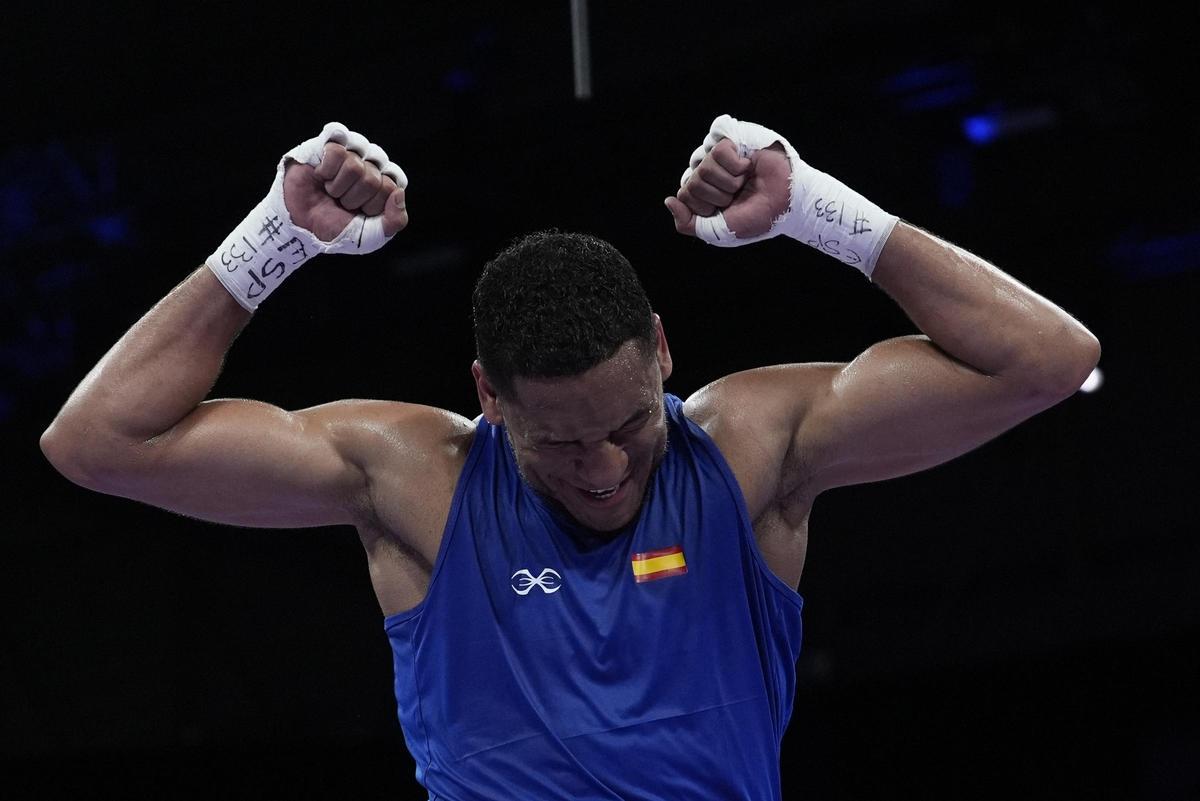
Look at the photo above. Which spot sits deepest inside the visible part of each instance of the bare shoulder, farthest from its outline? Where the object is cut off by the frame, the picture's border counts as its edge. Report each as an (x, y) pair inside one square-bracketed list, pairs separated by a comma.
[(381, 434), (409, 454), (753, 417)]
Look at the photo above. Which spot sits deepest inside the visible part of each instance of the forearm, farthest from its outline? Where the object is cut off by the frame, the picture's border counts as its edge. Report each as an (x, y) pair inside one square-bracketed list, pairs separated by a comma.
[(983, 317), (156, 374)]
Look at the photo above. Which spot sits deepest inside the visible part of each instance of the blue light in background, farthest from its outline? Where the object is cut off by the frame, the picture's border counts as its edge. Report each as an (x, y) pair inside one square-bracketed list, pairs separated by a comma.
[(982, 129)]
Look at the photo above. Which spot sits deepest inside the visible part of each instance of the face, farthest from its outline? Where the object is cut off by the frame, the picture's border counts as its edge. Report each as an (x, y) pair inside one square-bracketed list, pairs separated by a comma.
[(589, 442)]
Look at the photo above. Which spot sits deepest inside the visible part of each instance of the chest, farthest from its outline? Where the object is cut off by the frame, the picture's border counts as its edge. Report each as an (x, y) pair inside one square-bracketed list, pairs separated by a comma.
[(536, 623)]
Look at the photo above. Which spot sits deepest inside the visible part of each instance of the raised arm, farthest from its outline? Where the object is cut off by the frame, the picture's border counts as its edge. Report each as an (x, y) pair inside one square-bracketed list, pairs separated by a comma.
[(138, 425), (993, 352)]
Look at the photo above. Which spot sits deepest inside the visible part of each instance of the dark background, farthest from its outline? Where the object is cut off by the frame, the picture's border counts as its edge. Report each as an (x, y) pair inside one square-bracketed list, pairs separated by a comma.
[(1021, 623)]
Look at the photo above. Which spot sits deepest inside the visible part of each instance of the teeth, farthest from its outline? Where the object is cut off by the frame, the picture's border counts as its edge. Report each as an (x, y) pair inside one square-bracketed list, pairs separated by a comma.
[(604, 493)]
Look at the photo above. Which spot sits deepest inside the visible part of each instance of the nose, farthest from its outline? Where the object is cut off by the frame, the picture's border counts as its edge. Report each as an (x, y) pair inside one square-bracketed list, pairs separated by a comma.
[(602, 465)]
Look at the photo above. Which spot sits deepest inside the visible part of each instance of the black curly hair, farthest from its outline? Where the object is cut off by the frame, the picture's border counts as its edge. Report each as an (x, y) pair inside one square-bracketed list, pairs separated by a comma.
[(556, 304)]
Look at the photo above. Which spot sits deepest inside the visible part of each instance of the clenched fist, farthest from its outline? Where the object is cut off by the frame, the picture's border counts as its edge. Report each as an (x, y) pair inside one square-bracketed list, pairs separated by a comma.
[(751, 192), (334, 193), (325, 198)]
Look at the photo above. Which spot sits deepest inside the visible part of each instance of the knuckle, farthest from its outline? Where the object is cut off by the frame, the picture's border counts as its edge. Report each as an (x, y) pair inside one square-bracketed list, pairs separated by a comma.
[(331, 162), (355, 164)]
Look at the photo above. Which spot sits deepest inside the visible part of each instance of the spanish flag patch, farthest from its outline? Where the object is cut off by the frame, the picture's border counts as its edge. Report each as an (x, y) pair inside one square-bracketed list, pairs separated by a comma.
[(654, 565)]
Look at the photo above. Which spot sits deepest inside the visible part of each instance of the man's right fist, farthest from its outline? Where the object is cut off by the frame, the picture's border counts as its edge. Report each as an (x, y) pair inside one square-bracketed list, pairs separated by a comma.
[(324, 198), (334, 193)]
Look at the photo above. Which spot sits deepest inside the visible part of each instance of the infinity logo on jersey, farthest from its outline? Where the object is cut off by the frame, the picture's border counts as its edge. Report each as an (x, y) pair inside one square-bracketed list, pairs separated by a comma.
[(549, 580)]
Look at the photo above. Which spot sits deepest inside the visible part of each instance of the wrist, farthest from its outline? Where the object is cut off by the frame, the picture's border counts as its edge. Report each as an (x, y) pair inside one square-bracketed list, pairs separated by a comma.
[(828, 215), (261, 251), (822, 211)]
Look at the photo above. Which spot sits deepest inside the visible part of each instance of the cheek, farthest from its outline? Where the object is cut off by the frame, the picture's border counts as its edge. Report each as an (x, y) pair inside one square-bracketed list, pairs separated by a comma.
[(545, 466)]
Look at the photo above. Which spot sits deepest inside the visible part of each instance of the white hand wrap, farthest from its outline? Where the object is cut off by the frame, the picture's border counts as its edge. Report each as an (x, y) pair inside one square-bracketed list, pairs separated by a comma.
[(267, 246), (824, 212)]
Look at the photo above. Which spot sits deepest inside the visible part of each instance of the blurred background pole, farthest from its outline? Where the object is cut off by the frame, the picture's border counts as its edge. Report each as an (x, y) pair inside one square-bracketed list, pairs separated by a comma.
[(579, 48)]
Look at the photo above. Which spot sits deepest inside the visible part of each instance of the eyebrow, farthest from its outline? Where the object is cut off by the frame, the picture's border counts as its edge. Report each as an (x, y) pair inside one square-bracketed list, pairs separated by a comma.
[(547, 437)]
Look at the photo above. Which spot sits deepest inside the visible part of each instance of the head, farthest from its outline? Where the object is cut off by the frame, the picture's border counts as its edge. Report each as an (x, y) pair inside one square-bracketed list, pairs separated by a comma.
[(571, 360)]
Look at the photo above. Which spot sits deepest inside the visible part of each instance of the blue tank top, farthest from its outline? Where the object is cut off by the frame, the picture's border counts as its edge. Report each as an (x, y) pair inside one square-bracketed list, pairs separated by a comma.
[(657, 665)]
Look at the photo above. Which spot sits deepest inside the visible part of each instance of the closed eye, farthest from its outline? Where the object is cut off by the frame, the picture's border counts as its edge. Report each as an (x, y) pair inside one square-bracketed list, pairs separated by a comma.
[(638, 420)]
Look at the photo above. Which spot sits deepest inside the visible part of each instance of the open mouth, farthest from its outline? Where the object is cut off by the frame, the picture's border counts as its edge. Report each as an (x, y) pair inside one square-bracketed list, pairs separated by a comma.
[(607, 494)]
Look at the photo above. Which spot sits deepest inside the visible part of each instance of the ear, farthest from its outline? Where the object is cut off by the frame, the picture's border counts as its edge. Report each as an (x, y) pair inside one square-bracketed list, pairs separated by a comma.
[(662, 351), (489, 401)]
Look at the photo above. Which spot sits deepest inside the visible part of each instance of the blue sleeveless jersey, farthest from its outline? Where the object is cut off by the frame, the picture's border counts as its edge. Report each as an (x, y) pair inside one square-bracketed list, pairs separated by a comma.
[(658, 665)]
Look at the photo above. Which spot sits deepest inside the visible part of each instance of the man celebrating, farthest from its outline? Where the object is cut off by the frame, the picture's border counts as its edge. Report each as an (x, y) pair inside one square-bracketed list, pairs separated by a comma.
[(590, 591)]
